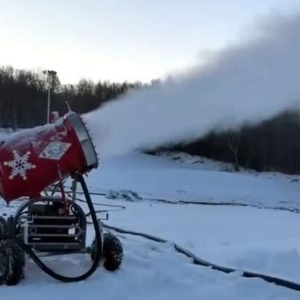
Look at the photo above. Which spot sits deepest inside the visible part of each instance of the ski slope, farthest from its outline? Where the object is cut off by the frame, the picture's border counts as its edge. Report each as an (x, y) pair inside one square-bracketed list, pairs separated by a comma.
[(257, 239), (166, 178)]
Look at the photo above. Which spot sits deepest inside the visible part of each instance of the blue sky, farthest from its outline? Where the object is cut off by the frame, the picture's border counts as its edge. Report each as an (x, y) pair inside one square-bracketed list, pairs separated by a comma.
[(120, 40)]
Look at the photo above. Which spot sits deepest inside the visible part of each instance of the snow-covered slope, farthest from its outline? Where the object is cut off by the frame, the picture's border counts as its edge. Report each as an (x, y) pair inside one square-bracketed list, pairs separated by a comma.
[(159, 177), (249, 238)]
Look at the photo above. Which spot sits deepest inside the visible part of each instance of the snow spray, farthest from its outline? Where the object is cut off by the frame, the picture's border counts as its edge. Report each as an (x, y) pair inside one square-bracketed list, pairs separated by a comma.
[(244, 83)]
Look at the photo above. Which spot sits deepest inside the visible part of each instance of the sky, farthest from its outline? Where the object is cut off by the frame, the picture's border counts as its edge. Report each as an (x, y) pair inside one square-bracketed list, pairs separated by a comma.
[(124, 40)]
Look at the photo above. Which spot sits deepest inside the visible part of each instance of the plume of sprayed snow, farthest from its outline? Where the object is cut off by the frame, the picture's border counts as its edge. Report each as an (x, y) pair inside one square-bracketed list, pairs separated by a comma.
[(244, 83)]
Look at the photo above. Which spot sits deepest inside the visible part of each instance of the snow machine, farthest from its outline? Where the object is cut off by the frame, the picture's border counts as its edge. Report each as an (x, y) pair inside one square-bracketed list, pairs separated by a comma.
[(32, 161)]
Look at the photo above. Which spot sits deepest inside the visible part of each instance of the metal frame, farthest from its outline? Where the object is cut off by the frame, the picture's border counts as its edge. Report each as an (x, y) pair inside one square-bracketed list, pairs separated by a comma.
[(24, 221)]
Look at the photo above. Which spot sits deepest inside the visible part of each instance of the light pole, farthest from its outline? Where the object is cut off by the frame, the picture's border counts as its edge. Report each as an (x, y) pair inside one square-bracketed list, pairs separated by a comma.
[(50, 76)]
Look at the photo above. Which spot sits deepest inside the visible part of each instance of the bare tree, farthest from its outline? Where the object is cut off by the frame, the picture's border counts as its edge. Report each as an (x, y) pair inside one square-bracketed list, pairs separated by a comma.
[(234, 145)]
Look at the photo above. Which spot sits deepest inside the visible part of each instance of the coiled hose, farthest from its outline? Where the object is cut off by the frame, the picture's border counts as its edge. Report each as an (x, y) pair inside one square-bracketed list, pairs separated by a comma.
[(99, 242)]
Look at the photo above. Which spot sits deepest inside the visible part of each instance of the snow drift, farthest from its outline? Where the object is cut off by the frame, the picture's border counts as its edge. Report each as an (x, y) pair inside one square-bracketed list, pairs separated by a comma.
[(246, 82)]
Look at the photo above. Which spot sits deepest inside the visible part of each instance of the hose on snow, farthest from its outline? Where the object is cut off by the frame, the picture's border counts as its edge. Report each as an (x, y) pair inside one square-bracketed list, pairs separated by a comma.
[(208, 203), (198, 261)]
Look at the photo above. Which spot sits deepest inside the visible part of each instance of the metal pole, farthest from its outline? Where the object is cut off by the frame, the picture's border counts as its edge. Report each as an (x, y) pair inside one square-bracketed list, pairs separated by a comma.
[(50, 75), (48, 104)]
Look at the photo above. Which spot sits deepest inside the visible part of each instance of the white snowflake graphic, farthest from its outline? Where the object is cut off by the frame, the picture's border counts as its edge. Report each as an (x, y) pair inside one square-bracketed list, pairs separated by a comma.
[(19, 165)]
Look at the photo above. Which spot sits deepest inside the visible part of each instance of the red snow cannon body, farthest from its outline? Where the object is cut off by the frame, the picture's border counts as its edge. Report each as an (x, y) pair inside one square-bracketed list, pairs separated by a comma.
[(33, 159)]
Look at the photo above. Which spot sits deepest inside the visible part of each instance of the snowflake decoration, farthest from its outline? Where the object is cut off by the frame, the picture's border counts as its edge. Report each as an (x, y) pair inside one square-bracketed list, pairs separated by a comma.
[(19, 165)]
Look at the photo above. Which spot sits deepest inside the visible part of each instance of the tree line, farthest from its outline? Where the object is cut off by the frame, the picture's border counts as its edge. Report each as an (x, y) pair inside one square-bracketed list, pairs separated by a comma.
[(23, 96), (272, 145)]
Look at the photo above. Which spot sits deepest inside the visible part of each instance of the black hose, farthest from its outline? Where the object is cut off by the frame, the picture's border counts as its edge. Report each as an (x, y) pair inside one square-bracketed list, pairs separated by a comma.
[(98, 253), (201, 262), (198, 261), (210, 203), (115, 207)]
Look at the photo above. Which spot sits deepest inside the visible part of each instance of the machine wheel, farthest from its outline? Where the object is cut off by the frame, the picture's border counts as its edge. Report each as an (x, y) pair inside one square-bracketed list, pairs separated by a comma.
[(112, 252), (12, 262), (3, 228)]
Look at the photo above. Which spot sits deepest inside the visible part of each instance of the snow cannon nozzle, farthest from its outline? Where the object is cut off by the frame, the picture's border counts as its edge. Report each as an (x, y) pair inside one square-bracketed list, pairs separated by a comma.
[(32, 159)]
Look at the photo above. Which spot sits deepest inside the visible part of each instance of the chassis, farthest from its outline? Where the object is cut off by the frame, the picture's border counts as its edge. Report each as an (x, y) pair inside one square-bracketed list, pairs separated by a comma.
[(55, 225)]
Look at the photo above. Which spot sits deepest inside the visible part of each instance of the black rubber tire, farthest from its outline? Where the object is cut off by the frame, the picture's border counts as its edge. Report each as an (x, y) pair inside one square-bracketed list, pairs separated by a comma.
[(112, 252), (12, 262), (3, 228)]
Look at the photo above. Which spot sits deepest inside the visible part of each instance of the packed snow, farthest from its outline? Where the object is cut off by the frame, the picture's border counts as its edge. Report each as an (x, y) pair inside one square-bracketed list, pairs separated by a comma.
[(251, 238)]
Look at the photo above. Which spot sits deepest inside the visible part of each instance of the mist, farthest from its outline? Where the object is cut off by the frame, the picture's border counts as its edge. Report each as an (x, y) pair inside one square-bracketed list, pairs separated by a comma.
[(243, 83)]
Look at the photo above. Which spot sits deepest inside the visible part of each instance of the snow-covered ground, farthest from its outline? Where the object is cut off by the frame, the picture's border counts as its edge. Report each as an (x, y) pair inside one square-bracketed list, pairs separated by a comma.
[(163, 178), (256, 239)]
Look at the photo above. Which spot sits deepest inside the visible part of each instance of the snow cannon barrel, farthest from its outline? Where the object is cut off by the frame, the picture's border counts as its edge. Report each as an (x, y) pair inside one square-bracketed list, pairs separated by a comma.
[(33, 159)]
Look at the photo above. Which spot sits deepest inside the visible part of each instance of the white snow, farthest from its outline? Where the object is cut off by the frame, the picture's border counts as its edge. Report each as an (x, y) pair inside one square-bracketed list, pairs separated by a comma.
[(263, 240), (150, 271), (153, 177)]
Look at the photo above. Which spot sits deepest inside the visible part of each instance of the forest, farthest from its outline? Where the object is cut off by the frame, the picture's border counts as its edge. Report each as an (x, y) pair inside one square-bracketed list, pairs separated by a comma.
[(24, 94), (273, 145)]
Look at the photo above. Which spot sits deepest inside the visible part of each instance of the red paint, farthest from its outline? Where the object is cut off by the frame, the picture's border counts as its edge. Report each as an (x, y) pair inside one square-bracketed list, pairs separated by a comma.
[(42, 171)]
